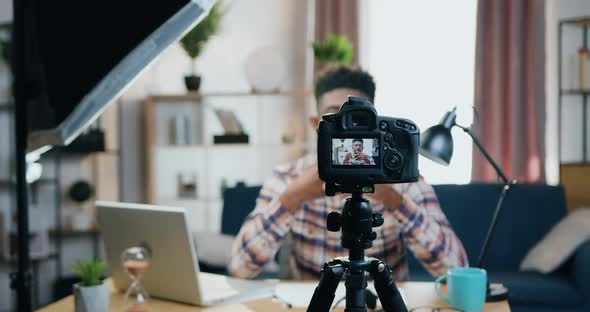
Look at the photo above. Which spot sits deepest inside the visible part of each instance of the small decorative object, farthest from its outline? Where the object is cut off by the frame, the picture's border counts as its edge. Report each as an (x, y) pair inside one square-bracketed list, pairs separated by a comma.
[(38, 244), (187, 185), (80, 193), (194, 42), (334, 50), (233, 130), (5, 74), (265, 70), (91, 294), (287, 138), (136, 260), (180, 130), (584, 69)]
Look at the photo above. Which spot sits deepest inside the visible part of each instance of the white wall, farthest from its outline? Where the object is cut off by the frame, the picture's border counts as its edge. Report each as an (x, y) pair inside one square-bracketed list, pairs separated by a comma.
[(248, 25), (422, 62), (556, 10), (5, 11)]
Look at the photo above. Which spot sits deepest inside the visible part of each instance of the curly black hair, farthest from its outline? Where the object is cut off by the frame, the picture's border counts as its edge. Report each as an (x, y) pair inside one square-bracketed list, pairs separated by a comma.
[(345, 77)]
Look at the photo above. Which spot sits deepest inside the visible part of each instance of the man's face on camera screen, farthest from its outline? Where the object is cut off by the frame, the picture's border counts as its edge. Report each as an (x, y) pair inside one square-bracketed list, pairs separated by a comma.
[(354, 152)]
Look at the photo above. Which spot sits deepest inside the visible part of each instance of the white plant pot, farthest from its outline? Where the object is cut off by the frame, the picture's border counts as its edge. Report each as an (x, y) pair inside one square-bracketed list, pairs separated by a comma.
[(81, 221), (91, 299)]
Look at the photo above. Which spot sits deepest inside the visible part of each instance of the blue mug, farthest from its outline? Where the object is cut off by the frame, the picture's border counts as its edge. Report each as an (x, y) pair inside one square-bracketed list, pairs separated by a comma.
[(467, 288)]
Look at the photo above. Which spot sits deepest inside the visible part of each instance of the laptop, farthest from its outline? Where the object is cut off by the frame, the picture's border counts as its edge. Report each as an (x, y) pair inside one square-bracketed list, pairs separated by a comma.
[(174, 270)]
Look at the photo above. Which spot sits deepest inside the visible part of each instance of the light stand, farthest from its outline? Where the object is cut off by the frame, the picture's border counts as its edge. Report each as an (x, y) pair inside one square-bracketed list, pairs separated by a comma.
[(437, 145), (356, 222)]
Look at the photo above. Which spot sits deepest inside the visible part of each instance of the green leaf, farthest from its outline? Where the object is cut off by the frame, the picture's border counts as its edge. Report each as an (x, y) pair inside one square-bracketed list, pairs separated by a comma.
[(194, 41), (90, 271), (336, 49)]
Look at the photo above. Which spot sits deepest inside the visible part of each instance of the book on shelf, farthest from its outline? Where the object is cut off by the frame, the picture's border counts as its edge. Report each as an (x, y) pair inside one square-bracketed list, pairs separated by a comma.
[(229, 122)]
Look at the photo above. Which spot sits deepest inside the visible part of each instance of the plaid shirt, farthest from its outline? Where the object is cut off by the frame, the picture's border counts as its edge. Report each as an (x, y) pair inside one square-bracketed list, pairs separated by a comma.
[(418, 224)]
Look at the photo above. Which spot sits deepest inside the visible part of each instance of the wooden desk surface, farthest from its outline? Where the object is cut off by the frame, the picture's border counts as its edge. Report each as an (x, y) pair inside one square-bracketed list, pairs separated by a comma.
[(417, 293)]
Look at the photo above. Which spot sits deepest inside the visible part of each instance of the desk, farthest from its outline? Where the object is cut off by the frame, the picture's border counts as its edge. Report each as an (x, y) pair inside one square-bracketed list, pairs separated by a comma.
[(418, 294)]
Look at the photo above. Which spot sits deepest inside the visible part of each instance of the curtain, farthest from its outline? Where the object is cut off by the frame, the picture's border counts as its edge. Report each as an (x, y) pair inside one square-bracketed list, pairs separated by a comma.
[(509, 89), (338, 17)]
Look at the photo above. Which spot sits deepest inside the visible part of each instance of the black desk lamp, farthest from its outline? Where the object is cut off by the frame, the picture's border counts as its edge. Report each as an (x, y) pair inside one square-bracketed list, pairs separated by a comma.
[(436, 144)]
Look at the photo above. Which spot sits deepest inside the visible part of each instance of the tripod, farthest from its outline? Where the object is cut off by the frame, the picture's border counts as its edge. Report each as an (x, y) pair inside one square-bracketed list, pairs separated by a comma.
[(356, 222)]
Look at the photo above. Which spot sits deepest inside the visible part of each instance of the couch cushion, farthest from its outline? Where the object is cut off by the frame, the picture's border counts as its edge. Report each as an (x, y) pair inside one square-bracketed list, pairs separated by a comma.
[(530, 210), (238, 202), (531, 288)]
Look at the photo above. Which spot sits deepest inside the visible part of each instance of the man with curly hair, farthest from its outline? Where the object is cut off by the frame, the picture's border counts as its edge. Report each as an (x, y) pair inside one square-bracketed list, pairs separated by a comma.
[(292, 203)]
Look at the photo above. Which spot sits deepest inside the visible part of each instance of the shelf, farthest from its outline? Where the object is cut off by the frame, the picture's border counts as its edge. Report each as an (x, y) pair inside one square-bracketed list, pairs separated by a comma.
[(577, 21), (8, 183), (73, 233), (198, 96), (67, 154), (575, 164), (34, 258), (575, 92), (236, 145)]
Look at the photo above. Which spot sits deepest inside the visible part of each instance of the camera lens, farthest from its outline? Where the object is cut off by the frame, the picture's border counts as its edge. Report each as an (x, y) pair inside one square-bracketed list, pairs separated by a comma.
[(358, 119)]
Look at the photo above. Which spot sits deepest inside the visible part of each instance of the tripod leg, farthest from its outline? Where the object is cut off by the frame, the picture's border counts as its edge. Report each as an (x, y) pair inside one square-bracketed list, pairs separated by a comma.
[(356, 283), (324, 293), (389, 295)]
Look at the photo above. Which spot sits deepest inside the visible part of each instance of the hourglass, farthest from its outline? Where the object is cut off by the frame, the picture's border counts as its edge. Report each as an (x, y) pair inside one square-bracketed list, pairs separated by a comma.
[(136, 260)]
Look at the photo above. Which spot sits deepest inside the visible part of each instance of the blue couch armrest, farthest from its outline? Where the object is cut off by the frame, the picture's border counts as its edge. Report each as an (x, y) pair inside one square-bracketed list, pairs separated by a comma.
[(581, 271)]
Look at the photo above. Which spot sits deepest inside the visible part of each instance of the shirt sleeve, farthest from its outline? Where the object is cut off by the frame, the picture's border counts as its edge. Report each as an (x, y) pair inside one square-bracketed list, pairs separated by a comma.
[(263, 231), (426, 230)]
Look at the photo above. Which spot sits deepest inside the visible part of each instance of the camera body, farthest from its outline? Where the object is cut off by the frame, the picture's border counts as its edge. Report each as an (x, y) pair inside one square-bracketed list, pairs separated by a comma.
[(358, 148)]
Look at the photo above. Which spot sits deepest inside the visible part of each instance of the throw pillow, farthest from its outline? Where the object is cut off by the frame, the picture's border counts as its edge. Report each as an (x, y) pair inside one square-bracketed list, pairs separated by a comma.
[(559, 244)]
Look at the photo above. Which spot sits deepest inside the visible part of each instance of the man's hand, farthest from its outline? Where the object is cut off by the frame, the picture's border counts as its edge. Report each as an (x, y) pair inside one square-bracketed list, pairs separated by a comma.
[(307, 186), (347, 158), (387, 195), (362, 157)]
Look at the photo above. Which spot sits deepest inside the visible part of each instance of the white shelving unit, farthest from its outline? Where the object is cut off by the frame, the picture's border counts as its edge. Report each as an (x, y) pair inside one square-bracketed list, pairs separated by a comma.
[(266, 118)]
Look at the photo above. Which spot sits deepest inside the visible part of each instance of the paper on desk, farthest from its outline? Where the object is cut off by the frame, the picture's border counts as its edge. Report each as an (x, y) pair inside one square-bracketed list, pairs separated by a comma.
[(299, 294)]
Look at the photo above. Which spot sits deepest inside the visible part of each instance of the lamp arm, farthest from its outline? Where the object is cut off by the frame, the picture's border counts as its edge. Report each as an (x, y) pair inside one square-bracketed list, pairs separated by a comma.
[(486, 243), (499, 171), (499, 204)]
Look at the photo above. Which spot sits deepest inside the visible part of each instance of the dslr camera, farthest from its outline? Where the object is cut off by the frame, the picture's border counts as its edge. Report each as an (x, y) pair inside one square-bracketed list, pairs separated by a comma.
[(357, 148)]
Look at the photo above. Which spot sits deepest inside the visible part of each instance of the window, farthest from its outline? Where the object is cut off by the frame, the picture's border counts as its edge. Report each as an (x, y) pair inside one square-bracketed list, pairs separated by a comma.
[(422, 54)]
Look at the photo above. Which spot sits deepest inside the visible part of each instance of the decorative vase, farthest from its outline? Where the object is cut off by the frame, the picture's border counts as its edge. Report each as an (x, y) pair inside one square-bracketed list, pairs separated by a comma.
[(91, 298), (192, 82), (265, 70), (81, 220)]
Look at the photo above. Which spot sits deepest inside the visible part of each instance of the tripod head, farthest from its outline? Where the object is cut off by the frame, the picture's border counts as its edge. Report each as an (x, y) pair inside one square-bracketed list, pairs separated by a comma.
[(356, 220)]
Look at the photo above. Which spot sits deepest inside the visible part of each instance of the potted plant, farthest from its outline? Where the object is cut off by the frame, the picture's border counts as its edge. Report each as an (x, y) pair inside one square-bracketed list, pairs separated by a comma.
[(335, 50), (194, 42), (91, 294), (80, 193)]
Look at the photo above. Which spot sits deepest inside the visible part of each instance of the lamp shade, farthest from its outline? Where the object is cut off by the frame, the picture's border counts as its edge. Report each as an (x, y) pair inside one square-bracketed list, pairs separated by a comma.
[(436, 144)]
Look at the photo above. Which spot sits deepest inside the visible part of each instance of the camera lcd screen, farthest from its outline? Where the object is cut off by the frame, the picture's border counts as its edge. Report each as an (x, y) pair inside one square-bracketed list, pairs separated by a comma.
[(355, 152)]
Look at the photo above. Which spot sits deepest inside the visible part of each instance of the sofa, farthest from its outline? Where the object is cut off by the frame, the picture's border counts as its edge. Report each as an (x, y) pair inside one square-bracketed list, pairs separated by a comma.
[(530, 211)]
